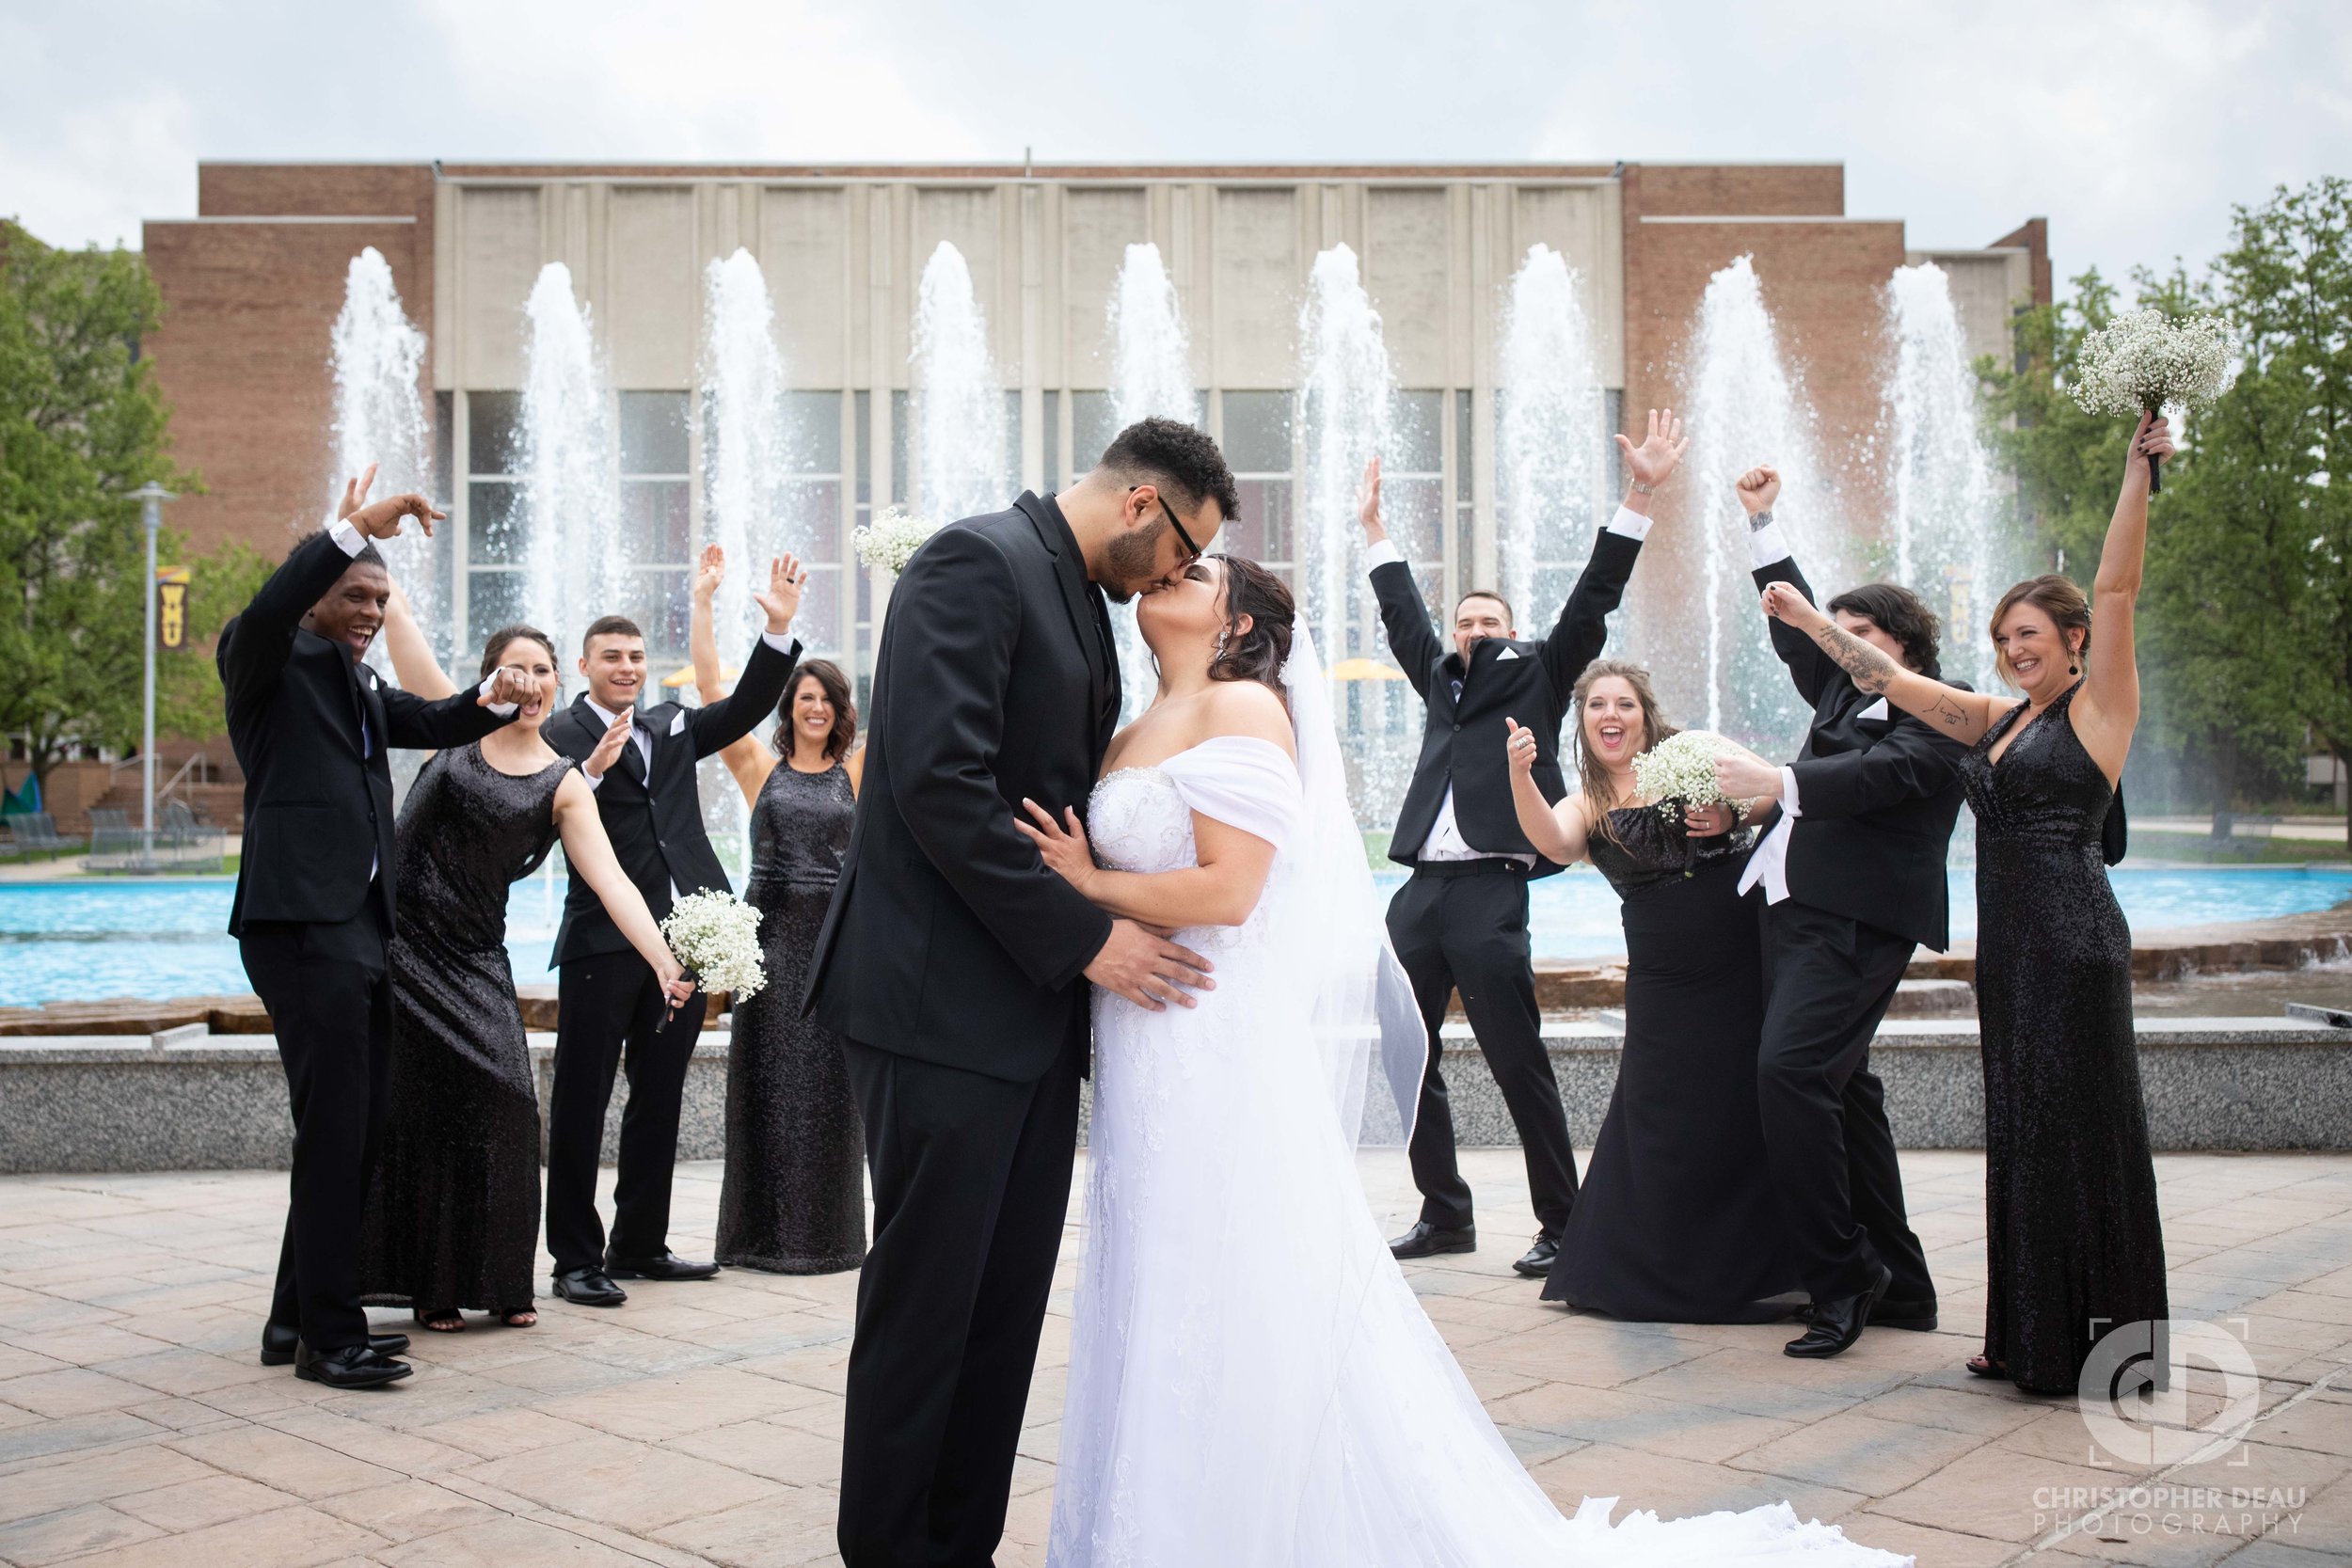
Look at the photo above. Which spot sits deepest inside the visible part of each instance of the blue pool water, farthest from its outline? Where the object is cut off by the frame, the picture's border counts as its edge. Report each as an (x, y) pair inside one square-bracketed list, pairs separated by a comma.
[(88, 941)]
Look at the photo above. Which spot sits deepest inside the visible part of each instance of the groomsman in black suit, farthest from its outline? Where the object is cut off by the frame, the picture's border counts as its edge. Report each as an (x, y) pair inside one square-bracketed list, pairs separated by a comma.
[(611, 1006), (313, 907), (954, 965), (1461, 921), (1854, 881)]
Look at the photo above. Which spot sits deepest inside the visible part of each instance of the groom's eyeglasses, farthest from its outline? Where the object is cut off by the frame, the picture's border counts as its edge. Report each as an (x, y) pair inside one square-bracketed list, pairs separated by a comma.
[(1192, 552)]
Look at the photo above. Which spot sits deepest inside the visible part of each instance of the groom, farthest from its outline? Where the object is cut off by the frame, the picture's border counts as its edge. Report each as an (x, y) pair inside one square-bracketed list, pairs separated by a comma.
[(1854, 880), (953, 965)]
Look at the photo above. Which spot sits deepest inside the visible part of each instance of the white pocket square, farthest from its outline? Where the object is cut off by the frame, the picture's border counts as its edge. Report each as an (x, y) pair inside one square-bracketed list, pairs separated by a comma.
[(677, 721), (1876, 710), (1507, 652)]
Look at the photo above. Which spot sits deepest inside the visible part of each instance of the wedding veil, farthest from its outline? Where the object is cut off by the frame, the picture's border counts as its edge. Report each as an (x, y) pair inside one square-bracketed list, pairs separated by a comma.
[(1362, 1015)]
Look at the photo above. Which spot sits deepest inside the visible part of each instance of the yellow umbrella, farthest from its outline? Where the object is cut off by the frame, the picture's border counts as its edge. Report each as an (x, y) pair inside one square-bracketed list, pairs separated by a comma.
[(679, 677), (1365, 670)]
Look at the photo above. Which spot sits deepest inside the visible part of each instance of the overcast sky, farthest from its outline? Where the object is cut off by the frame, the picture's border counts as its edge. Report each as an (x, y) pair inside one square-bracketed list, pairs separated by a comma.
[(2132, 126)]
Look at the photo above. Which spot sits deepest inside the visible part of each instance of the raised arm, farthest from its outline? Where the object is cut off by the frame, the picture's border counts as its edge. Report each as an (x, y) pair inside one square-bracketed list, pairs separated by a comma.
[(746, 758), (420, 673), (589, 854), (1808, 667), (1582, 629), (955, 617), (766, 673), (1560, 833), (1411, 638), (2107, 711), (1953, 711)]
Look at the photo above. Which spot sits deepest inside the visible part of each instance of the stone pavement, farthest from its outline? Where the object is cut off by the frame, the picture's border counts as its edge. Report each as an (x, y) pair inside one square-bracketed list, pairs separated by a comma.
[(701, 1422)]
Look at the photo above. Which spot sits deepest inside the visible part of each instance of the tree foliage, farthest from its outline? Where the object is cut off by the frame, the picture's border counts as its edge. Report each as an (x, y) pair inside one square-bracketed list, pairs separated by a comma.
[(82, 426)]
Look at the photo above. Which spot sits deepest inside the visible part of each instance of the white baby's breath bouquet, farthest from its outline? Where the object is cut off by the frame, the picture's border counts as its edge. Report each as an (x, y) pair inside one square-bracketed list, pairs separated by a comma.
[(891, 539), (2145, 361), (716, 936), (1679, 772)]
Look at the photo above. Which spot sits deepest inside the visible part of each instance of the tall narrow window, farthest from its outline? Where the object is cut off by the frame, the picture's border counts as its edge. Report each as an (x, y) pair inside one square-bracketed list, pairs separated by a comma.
[(1257, 446), (1412, 490), (811, 516), (657, 518), (495, 541)]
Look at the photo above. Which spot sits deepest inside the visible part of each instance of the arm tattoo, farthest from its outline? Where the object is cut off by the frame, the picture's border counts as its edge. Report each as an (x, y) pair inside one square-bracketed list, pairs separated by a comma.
[(1871, 670), (1947, 713)]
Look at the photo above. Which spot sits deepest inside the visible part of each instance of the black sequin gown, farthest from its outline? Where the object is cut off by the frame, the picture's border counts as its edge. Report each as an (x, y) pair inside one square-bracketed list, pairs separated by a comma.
[(1675, 1222), (793, 1197), (2071, 1229), (452, 1217)]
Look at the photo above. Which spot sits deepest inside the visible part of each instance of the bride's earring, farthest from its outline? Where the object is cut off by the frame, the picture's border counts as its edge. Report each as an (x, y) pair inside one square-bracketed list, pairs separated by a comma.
[(1218, 651)]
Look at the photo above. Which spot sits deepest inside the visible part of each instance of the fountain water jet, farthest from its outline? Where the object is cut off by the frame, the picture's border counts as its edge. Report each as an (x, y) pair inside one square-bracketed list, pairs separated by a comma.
[(1947, 537), (571, 494), (959, 403), (1151, 374), (743, 409), (1746, 408), (378, 358), (1551, 440), (1348, 389)]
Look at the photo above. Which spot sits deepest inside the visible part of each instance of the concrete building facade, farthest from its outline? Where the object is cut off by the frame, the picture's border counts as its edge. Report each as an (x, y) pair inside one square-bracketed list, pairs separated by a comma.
[(253, 281)]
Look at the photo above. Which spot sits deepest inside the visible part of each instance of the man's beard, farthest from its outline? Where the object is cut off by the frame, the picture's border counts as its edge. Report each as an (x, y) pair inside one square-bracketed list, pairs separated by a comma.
[(1132, 555)]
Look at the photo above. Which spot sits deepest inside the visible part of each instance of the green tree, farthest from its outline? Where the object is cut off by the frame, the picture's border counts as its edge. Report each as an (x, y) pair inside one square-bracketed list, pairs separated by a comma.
[(82, 425), (2065, 461)]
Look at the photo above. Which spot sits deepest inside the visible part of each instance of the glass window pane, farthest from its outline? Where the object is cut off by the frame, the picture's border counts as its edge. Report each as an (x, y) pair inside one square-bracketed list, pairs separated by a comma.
[(864, 457), (1258, 432), (1092, 423), (494, 523), (809, 516), (1262, 530), (814, 421), (493, 600), (1414, 511), (657, 518), (1053, 440), (494, 428), (1417, 426), (653, 433), (1463, 488), (657, 601), (1012, 442), (899, 436), (818, 624)]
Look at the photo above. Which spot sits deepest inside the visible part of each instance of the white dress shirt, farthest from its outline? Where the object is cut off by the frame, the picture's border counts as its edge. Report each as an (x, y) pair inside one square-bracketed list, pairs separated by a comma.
[(1769, 864), (1445, 841)]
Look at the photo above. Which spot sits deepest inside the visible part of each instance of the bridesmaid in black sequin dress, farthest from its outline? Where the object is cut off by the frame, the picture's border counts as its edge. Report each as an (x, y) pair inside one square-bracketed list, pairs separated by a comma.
[(1673, 1222), (2074, 1247), (453, 1217)]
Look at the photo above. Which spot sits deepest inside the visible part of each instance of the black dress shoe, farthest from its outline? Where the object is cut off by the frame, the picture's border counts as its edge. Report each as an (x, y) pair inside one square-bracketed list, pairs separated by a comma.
[(669, 1265), (1916, 1316), (1428, 1240), (352, 1367), (1836, 1324), (589, 1288), (1539, 1259), (280, 1343)]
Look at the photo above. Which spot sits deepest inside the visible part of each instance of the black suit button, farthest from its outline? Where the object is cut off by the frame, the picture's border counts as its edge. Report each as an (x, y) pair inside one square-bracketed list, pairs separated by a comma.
[(1458, 729)]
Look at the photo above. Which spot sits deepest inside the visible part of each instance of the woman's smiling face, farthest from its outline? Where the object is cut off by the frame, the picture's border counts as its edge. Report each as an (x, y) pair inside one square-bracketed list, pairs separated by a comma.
[(1613, 728)]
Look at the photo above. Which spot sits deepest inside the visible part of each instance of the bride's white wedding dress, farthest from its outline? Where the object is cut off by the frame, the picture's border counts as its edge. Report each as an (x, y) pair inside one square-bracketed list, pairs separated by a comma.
[(1251, 1379)]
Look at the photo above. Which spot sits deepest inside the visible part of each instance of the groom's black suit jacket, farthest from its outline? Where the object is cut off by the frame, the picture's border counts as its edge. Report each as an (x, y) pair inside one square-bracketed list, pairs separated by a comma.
[(318, 798), (948, 940), (1531, 681), (1877, 796), (656, 824)]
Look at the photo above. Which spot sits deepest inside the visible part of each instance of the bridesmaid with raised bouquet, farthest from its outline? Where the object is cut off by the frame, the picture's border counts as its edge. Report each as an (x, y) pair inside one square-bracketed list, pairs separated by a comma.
[(2074, 1248)]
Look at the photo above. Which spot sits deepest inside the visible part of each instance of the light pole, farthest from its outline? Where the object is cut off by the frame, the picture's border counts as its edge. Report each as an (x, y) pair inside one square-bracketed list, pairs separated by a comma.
[(150, 497)]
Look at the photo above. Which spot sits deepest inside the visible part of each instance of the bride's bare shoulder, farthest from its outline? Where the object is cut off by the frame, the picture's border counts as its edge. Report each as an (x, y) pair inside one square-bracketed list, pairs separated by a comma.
[(1246, 708)]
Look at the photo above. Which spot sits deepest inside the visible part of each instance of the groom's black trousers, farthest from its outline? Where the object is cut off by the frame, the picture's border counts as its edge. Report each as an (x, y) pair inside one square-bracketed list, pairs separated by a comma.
[(970, 1185), (1463, 924), (1828, 981), (329, 998)]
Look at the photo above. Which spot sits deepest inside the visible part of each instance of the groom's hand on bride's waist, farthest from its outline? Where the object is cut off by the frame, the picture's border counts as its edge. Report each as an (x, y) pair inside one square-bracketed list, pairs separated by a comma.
[(1149, 971)]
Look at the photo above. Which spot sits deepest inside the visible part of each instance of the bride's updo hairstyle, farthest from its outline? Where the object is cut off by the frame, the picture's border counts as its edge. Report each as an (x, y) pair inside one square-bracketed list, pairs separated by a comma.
[(1260, 652), (494, 651)]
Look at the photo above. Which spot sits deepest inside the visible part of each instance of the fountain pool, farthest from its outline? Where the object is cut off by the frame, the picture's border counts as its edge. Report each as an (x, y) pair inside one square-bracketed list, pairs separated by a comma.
[(91, 941)]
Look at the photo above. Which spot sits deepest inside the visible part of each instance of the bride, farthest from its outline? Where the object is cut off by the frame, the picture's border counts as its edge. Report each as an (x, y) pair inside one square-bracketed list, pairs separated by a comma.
[(1251, 1380)]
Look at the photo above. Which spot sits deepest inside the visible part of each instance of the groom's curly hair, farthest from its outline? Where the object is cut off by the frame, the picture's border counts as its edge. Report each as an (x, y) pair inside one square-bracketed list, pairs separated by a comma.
[(1259, 653), (1178, 457)]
